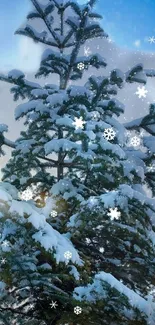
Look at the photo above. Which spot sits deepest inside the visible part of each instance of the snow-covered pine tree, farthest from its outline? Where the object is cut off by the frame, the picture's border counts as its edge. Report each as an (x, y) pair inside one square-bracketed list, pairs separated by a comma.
[(144, 128), (107, 216), (34, 272)]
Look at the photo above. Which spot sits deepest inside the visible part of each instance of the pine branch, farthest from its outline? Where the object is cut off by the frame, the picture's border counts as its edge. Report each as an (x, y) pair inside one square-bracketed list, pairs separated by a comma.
[(38, 8), (9, 143), (4, 319), (52, 162), (94, 251), (92, 3), (75, 51), (61, 163), (32, 287), (28, 32), (14, 311), (149, 72)]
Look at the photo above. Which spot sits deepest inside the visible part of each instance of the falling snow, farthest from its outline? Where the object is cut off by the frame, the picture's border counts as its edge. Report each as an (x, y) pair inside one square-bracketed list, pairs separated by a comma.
[(114, 214), (77, 310), (68, 255), (81, 66), (54, 304), (141, 92), (109, 134), (79, 123), (87, 51), (151, 39), (135, 141)]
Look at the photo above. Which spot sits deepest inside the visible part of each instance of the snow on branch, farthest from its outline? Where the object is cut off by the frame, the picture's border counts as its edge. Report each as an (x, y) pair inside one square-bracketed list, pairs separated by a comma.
[(49, 238), (97, 291)]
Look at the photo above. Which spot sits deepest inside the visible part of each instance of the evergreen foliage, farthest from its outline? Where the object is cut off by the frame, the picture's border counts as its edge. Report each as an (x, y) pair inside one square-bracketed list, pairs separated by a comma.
[(74, 148)]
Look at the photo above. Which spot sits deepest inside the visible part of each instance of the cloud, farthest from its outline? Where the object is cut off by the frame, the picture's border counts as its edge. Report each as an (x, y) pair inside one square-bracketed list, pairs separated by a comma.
[(28, 55)]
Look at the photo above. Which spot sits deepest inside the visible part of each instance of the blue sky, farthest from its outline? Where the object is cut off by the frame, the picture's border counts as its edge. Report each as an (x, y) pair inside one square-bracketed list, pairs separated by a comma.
[(128, 22)]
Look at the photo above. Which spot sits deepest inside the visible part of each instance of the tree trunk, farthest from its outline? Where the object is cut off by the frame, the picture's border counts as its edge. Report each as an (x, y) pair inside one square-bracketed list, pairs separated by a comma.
[(60, 158)]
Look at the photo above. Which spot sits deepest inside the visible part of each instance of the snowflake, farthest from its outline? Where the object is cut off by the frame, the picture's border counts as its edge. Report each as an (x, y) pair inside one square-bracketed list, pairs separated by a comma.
[(77, 310), (109, 134), (151, 168), (87, 51), (81, 66), (114, 213), (151, 39), (78, 123), (109, 40), (27, 195), (135, 141), (101, 250), (5, 243), (68, 255), (3, 260), (95, 116), (54, 304), (31, 306), (54, 214), (141, 92)]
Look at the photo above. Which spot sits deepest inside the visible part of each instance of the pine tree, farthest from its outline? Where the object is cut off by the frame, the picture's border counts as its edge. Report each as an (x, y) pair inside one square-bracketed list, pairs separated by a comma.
[(104, 218), (144, 127)]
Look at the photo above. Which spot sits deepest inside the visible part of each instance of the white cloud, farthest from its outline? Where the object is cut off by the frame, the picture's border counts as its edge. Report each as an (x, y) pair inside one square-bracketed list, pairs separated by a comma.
[(28, 55)]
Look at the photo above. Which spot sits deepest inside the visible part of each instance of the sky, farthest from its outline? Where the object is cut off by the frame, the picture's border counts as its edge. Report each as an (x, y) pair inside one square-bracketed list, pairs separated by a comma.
[(15, 49), (129, 24)]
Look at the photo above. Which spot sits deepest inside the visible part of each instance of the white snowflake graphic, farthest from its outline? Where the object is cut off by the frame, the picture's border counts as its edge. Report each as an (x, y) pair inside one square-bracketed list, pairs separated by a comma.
[(79, 123), (109, 134), (31, 306), (141, 92), (3, 260), (54, 214), (101, 249), (77, 310), (109, 40), (54, 304), (68, 255), (114, 213), (135, 141), (5, 243), (151, 39), (87, 51), (26, 195), (151, 168), (80, 66)]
